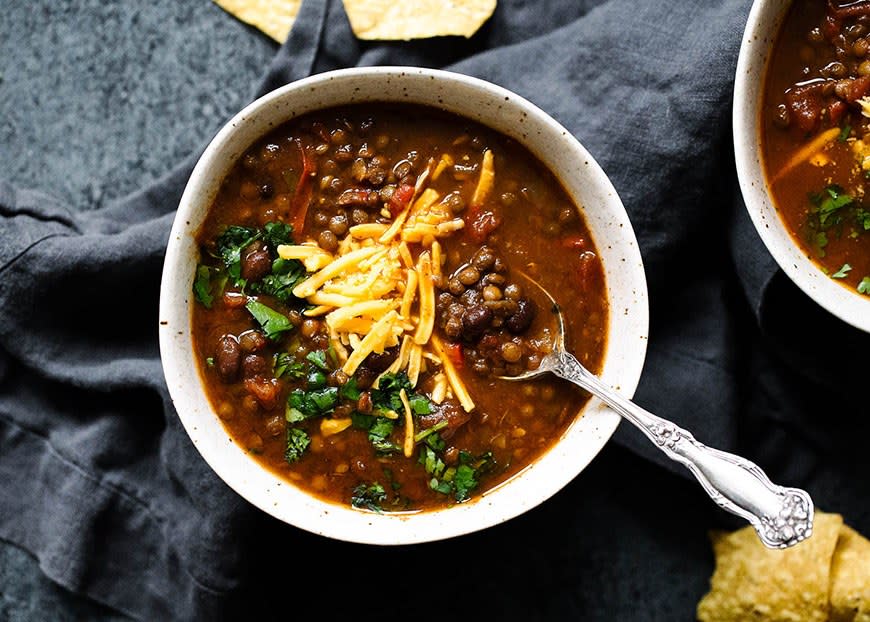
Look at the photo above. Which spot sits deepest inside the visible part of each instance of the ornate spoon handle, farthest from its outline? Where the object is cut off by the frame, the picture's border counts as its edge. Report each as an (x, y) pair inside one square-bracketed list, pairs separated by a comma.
[(781, 516)]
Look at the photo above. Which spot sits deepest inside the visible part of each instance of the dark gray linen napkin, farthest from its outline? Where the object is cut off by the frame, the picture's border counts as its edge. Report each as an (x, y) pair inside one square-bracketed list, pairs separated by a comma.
[(103, 487)]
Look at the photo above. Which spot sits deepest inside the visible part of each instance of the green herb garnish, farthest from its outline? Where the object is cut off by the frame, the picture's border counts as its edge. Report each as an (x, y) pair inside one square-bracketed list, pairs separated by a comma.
[(286, 365), (386, 396), (368, 497), (202, 286), (864, 286), (297, 442), (842, 272), (318, 359), (273, 322), (844, 133)]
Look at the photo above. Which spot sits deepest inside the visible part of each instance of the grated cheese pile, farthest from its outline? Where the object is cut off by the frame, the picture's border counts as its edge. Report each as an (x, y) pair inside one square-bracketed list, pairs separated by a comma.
[(373, 294)]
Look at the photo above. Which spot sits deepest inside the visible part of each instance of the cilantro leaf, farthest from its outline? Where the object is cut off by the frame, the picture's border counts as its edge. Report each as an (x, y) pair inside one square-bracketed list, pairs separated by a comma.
[(230, 245), (842, 272), (202, 286), (386, 396), (314, 403), (297, 442), (349, 390), (286, 274), (830, 205), (464, 481), (368, 497), (863, 218), (285, 364), (844, 133), (273, 322), (277, 233), (318, 358), (864, 286)]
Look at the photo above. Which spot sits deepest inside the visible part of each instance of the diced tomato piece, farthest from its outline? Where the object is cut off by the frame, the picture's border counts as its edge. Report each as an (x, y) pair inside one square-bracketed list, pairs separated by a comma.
[(454, 353), (265, 390), (805, 105), (400, 199), (482, 224)]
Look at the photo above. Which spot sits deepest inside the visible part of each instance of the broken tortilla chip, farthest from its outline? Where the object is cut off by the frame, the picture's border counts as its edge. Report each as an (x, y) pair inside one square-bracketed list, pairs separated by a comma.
[(850, 578), (273, 17), (752, 582), (389, 20)]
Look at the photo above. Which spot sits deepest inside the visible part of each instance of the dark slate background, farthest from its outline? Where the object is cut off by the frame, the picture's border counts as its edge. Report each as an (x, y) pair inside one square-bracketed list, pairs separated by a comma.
[(98, 99)]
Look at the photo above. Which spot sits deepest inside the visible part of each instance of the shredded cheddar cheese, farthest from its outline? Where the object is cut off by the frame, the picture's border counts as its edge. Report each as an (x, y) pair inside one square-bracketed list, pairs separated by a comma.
[(376, 290)]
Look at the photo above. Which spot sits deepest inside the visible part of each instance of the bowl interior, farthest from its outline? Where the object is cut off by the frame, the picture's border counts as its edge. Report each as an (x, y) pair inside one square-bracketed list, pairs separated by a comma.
[(479, 101), (762, 27)]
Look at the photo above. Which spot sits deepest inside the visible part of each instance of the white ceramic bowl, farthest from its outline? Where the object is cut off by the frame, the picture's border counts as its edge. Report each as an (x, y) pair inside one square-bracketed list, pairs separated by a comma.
[(762, 27), (496, 108)]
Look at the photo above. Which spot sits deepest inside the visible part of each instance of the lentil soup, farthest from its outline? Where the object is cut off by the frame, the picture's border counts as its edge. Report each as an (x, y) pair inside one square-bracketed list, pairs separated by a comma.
[(816, 135), (361, 286)]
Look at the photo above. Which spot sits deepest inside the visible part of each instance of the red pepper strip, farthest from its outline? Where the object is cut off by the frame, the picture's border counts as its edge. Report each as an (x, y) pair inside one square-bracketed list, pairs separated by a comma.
[(454, 353), (302, 196), (482, 224), (400, 199)]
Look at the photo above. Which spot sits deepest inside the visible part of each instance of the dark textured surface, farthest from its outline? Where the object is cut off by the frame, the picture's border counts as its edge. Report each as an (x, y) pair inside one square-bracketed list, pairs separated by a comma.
[(97, 100)]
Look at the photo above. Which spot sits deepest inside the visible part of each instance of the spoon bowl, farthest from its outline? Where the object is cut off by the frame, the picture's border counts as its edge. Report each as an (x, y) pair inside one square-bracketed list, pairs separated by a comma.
[(781, 516)]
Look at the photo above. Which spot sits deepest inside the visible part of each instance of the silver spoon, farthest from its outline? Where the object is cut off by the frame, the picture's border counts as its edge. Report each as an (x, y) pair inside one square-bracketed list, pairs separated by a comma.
[(781, 516)]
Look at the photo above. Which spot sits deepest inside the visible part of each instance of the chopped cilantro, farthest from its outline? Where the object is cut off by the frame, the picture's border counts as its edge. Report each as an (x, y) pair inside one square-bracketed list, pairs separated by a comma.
[(386, 396), (433, 465), (209, 361), (277, 233), (435, 441), (273, 322), (379, 428), (844, 133), (349, 390), (316, 379), (230, 245), (863, 218), (821, 242), (308, 404), (829, 202), (842, 272), (368, 497), (297, 442), (202, 286), (435, 428), (864, 286), (318, 358), (286, 274), (464, 482), (285, 365)]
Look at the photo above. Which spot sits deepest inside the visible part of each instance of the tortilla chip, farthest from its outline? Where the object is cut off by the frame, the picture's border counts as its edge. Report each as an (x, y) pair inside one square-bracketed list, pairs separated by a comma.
[(390, 20), (273, 17), (752, 582), (850, 578)]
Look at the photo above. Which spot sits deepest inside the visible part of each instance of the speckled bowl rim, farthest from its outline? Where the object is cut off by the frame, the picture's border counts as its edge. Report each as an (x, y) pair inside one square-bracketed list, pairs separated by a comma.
[(762, 27), (480, 101)]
